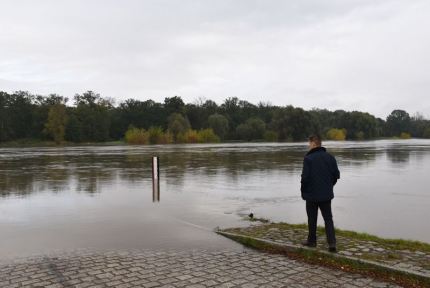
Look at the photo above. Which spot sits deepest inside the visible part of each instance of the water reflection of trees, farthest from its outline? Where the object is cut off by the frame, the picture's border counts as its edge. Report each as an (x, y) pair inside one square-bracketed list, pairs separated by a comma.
[(88, 172), (398, 156), (356, 157), (54, 173)]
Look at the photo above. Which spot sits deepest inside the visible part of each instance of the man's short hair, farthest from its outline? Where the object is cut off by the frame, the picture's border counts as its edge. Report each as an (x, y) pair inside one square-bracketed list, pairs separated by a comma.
[(315, 138)]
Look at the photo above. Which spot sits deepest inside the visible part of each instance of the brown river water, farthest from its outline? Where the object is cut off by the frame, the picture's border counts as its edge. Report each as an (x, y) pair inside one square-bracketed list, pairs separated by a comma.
[(101, 196)]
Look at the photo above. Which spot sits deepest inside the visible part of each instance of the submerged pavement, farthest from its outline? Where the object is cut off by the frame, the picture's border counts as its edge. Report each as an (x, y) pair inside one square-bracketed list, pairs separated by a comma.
[(198, 268)]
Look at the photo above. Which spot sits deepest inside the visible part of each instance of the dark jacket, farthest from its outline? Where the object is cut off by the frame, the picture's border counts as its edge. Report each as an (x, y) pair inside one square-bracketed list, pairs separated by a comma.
[(319, 175)]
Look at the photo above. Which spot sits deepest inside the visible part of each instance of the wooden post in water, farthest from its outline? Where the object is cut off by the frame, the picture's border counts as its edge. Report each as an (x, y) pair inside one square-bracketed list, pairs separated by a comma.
[(155, 179)]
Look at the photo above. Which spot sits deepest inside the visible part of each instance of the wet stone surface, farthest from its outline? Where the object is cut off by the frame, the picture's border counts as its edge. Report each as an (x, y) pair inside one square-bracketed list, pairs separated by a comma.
[(142, 268), (416, 261)]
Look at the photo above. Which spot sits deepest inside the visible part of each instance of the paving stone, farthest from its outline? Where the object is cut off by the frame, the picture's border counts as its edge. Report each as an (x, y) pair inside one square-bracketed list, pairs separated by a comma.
[(146, 268)]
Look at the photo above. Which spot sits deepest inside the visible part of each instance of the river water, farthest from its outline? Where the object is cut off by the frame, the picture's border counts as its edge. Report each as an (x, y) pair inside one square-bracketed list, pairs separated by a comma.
[(101, 196)]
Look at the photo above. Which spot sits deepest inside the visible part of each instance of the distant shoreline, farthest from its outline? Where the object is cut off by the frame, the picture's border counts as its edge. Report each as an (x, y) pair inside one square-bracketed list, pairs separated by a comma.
[(35, 143)]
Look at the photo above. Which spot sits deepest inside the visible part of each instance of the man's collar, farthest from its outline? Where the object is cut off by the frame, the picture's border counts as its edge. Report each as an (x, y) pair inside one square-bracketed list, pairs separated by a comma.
[(316, 149)]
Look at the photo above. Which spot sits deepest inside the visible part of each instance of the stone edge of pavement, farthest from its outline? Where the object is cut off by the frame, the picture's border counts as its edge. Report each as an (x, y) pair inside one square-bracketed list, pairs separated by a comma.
[(297, 248)]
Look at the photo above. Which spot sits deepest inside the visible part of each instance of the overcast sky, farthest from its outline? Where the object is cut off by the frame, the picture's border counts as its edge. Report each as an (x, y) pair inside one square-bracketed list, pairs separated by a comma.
[(368, 55)]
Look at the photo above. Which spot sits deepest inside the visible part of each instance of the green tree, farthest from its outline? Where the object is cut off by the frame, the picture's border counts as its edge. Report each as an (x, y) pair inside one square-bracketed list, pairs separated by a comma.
[(219, 124), (56, 124), (40, 111), (93, 113), (174, 105), (270, 136), (177, 124), (252, 129), (197, 113), (362, 126), (230, 108), (93, 118), (292, 124), (244, 132), (141, 114), (73, 126), (419, 125), (4, 117), (359, 125), (20, 115), (323, 120), (426, 133), (258, 127), (397, 122)]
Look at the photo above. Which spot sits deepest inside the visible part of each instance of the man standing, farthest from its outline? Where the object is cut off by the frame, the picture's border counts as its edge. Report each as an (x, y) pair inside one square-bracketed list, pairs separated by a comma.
[(319, 175)]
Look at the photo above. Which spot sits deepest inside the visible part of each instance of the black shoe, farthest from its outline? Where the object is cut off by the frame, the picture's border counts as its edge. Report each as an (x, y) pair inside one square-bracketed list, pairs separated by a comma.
[(309, 244), (332, 249)]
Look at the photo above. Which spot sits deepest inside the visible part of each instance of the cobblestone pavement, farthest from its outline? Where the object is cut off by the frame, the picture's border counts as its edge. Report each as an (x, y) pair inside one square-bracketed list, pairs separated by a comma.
[(195, 269), (415, 261)]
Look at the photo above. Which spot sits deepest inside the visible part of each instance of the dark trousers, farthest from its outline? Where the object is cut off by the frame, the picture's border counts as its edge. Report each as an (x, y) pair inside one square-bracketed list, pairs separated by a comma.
[(312, 211)]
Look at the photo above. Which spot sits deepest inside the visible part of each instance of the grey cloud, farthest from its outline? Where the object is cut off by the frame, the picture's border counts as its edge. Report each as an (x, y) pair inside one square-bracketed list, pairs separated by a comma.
[(367, 55)]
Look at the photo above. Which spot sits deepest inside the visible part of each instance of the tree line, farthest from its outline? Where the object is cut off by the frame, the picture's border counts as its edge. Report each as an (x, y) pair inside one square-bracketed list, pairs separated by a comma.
[(92, 118)]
